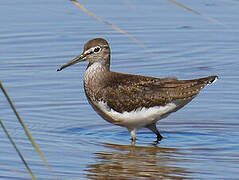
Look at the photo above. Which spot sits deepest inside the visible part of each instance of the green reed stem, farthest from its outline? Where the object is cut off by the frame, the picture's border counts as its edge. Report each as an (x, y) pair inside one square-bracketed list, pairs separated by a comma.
[(25, 128), (18, 151)]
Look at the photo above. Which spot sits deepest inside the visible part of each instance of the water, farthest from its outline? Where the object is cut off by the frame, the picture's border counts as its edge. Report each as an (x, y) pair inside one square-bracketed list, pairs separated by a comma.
[(200, 141)]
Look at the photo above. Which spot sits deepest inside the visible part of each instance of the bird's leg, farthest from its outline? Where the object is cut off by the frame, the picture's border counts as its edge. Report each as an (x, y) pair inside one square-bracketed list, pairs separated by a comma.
[(133, 135), (154, 129)]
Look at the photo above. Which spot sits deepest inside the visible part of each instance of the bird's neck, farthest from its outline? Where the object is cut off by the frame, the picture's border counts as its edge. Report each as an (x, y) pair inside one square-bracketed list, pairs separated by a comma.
[(96, 68), (94, 75)]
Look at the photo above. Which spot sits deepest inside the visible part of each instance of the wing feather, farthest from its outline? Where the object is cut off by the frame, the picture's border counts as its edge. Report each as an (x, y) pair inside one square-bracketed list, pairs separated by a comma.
[(127, 92)]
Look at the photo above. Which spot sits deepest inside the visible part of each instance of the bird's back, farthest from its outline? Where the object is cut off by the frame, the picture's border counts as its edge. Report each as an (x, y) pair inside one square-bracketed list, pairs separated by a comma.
[(127, 92)]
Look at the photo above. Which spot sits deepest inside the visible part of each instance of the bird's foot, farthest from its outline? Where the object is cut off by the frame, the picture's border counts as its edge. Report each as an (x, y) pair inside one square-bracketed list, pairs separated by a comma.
[(159, 138)]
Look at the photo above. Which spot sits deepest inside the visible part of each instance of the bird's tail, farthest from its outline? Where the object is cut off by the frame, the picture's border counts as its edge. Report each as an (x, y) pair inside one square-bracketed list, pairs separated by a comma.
[(207, 80)]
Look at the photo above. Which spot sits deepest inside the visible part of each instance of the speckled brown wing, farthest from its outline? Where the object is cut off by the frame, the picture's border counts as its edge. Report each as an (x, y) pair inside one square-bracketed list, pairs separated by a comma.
[(126, 92)]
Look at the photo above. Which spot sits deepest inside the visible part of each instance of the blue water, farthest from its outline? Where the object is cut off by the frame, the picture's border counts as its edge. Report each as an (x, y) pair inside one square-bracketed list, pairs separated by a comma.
[(201, 140)]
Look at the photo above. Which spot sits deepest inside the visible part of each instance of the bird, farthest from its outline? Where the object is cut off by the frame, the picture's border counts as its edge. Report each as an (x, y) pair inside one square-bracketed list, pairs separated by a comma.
[(129, 100)]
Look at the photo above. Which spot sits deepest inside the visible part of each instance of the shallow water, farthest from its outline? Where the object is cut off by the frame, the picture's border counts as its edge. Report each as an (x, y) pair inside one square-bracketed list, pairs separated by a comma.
[(200, 141)]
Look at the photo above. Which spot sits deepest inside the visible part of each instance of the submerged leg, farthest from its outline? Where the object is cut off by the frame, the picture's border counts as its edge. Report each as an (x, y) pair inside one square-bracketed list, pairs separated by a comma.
[(154, 129)]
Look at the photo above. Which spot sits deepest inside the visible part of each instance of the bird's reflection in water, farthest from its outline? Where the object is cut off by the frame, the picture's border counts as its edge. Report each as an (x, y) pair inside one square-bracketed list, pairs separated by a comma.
[(137, 162)]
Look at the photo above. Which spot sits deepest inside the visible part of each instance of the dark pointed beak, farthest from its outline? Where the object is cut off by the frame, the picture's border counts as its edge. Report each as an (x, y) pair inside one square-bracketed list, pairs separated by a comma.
[(74, 61)]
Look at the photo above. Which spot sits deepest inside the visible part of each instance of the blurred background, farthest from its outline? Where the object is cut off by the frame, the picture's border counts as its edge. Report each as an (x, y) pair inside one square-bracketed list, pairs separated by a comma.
[(201, 140)]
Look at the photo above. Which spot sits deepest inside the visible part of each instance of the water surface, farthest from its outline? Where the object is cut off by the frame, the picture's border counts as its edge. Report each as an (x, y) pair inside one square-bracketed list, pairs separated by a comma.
[(200, 141)]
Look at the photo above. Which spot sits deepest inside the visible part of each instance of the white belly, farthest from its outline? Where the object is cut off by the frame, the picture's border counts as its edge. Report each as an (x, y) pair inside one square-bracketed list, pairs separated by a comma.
[(135, 119)]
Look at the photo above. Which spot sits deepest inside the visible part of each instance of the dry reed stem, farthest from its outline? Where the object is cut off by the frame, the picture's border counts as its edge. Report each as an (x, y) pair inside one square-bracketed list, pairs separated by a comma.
[(108, 23), (198, 13)]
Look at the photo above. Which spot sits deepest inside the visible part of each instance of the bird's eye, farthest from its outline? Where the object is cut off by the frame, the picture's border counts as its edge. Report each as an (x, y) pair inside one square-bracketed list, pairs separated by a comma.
[(97, 49)]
